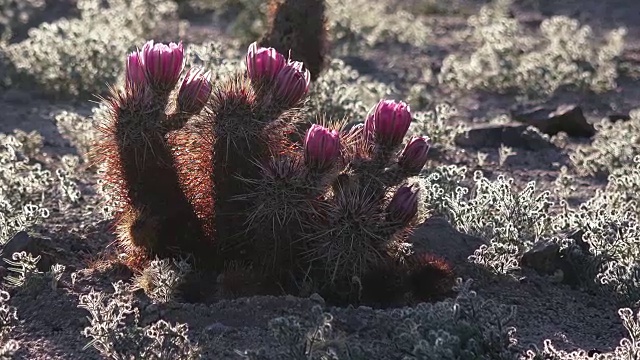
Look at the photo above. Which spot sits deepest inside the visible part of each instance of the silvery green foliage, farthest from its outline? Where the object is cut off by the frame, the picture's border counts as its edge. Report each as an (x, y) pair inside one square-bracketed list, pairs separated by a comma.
[(511, 220), (15, 13), (437, 124), (439, 184), (628, 349), (357, 23), (161, 278), (465, 328), (223, 61), (611, 225), (79, 56), (342, 93), (614, 146), (23, 185), (24, 266), (297, 339), (8, 317), (79, 130), (507, 58), (116, 334)]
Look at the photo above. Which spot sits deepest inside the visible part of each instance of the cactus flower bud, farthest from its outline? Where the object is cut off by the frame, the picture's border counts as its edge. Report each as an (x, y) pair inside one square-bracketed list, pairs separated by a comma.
[(194, 91), (388, 123), (403, 207), (263, 63), (163, 63), (414, 155), (321, 147), (292, 83), (135, 72)]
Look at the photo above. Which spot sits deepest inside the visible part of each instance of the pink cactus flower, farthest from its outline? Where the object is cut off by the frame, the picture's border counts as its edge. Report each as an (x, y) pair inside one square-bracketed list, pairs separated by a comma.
[(403, 207), (388, 123), (163, 63), (135, 72), (321, 147), (414, 155), (293, 83), (195, 90), (263, 63)]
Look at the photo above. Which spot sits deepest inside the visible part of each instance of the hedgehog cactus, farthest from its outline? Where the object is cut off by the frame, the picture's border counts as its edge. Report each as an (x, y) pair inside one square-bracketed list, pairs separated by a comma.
[(211, 170), (154, 217)]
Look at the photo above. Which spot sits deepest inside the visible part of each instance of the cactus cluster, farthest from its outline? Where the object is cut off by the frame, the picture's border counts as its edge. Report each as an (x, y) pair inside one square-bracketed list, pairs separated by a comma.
[(211, 170)]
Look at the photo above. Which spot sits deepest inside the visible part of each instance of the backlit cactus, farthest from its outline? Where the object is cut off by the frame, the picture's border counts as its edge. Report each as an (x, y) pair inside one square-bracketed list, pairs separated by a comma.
[(211, 170)]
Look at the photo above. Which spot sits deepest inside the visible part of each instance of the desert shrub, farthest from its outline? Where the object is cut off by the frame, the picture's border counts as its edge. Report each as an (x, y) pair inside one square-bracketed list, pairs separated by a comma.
[(355, 24), (496, 211), (15, 13), (628, 349), (437, 124), (79, 130), (115, 331), (299, 339), (245, 19), (161, 278), (8, 319), (79, 57), (610, 223), (506, 58), (614, 146), (466, 327), (439, 184), (342, 93), (22, 187)]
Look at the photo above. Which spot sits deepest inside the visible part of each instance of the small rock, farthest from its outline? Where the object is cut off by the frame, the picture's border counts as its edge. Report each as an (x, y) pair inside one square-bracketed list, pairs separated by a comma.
[(31, 244), (566, 118), (544, 257), (438, 237), (496, 135)]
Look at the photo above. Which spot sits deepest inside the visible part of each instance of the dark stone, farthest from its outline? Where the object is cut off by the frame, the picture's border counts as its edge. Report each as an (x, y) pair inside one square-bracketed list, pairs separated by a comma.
[(544, 257), (565, 118), (511, 135), (437, 236), (31, 244)]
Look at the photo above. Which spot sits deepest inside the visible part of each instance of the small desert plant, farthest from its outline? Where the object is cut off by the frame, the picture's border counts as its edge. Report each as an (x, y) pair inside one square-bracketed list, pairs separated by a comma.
[(614, 146), (8, 317), (508, 59), (298, 340), (629, 348), (494, 210), (219, 176), (78, 57), (115, 332), (23, 185), (161, 278), (16, 13), (465, 328), (354, 24)]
